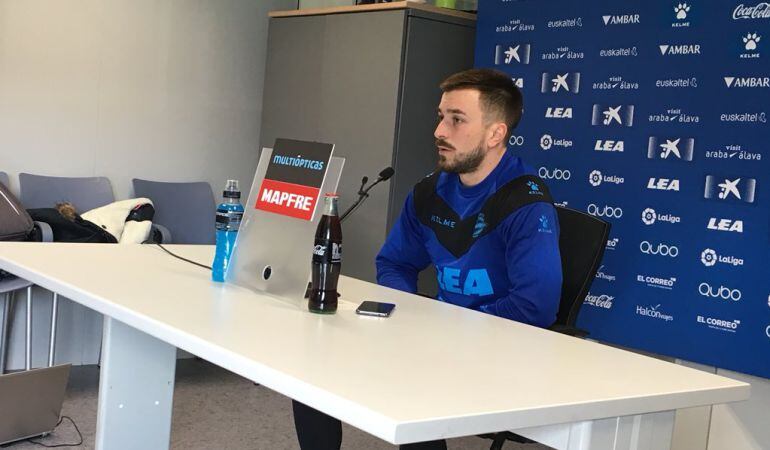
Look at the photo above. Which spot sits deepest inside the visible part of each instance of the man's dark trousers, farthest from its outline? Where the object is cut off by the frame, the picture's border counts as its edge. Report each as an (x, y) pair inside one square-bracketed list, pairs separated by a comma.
[(318, 431)]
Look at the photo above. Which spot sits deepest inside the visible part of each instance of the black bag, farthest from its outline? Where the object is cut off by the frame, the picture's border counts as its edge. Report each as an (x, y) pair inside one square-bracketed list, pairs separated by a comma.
[(15, 222)]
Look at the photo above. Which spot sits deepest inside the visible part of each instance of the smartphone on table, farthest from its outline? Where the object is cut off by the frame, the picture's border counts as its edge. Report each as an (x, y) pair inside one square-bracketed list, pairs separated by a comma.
[(377, 309)]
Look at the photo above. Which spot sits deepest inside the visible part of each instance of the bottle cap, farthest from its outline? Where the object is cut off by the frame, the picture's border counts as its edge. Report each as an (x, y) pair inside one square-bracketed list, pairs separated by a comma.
[(231, 189)]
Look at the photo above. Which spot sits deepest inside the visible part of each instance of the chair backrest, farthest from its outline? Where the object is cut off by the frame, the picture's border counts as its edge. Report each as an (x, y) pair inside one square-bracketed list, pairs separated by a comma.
[(85, 193), (188, 210), (582, 241), (4, 179)]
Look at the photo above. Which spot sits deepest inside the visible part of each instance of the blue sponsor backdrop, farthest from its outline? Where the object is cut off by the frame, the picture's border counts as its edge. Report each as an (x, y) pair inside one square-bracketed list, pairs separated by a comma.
[(654, 116)]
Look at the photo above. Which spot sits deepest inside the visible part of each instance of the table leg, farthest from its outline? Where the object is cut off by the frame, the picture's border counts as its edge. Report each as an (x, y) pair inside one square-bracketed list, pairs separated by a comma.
[(52, 339), (28, 350), (5, 330), (136, 389), (640, 432)]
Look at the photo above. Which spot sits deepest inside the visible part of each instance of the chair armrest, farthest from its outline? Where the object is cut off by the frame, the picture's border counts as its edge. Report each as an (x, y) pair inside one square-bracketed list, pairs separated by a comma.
[(165, 234), (46, 233), (568, 330)]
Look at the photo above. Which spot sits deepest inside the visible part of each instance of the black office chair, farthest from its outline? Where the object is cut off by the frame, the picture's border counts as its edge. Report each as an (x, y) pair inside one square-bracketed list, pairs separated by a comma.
[(582, 240)]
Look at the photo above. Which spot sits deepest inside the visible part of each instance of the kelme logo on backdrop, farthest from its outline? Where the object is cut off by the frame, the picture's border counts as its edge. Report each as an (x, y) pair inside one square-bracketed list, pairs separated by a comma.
[(681, 14), (750, 45)]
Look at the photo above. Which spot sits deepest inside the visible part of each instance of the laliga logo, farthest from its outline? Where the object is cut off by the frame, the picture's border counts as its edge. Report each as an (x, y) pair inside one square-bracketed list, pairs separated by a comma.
[(648, 216), (724, 293), (672, 251), (708, 257), (607, 211), (546, 142), (555, 174), (595, 178)]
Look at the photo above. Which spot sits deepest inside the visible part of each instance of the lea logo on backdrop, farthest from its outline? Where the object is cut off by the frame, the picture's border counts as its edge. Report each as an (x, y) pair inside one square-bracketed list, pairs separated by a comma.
[(293, 178)]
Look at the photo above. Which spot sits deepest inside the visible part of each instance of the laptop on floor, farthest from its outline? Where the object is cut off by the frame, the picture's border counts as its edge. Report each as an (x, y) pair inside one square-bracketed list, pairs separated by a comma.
[(30, 402)]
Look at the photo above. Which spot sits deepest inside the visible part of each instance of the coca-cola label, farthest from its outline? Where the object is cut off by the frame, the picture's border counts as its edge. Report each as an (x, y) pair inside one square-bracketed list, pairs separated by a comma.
[(759, 11), (321, 253)]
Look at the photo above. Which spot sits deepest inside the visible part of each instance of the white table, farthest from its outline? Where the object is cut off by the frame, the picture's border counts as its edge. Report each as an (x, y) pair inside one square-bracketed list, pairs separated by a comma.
[(431, 371)]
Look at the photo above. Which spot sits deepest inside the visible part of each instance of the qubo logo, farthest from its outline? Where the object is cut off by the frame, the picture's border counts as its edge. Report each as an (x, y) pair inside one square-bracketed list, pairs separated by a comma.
[(733, 189), (759, 11), (747, 82), (710, 257), (649, 217), (672, 149), (473, 282), (610, 212), (663, 184), (619, 115), (512, 53), (596, 178), (516, 141), (735, 226), (679, 49), (555, 83), (660, 249), (609, 146), (722, 292), (554, 174), (558, 113)]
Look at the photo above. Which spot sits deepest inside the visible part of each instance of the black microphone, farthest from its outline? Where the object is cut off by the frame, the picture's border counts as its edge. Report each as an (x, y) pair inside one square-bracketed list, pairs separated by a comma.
[(363, 194), (386, 173)]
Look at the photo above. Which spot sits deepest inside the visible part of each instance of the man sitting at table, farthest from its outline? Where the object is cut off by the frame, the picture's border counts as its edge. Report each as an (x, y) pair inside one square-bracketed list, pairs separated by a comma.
[(484, 219)]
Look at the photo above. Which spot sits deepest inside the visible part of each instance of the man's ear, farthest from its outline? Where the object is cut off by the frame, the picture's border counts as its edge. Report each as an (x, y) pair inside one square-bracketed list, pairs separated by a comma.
[(496, 134)]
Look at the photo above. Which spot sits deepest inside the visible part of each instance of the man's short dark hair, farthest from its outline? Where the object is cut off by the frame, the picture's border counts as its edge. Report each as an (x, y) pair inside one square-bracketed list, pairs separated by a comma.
[(498, 95)]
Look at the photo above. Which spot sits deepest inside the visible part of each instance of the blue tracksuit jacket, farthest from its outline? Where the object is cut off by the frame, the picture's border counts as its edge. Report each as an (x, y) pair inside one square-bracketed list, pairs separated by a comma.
[(512, 271)]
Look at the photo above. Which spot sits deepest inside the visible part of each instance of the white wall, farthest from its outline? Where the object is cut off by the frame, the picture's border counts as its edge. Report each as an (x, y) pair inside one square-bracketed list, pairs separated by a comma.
[(159, 89)]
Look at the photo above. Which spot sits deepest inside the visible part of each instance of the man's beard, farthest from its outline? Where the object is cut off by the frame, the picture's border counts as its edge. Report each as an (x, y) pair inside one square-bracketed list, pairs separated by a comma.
[(462, 164)]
